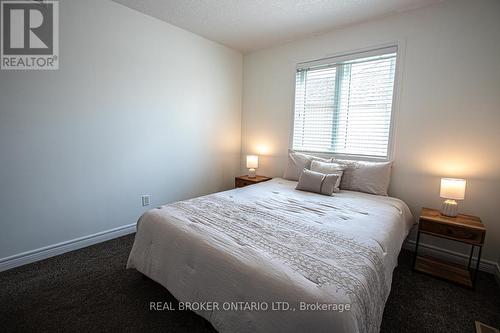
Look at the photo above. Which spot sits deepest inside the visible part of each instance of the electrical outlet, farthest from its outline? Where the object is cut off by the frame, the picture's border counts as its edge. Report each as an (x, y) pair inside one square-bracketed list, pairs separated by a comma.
[(146, 200)]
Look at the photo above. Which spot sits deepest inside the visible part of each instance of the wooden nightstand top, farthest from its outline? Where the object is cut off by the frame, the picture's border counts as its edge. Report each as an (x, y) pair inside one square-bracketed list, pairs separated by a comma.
[(462, 220), (242, 181), (256, 179)]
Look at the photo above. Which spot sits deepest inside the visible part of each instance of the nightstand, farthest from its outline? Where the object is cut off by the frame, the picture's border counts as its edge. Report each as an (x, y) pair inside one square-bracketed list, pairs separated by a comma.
[(463, 228), (242, 181)]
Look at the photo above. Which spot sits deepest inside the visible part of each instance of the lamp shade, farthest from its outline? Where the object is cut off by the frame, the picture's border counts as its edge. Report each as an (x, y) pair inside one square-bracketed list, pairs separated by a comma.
[(452, 188), (252, 161)]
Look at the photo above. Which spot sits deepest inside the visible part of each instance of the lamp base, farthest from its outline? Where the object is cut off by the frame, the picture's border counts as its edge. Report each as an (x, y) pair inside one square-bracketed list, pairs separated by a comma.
[(251, 173), (449, 208)]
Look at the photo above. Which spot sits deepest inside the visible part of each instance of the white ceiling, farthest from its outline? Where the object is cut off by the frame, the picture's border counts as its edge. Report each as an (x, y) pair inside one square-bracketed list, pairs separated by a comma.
[(248, 25)]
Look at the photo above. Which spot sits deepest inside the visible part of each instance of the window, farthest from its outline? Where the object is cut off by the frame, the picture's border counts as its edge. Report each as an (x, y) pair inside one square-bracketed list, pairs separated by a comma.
[(343, 105)]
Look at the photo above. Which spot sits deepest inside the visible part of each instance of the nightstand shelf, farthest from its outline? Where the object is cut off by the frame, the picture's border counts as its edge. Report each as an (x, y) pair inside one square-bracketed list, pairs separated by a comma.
[(242, 181), (448, 271), (463, 228)]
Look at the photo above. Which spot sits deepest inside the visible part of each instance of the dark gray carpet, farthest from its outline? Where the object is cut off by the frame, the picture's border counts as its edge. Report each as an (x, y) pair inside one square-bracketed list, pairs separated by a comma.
[(90, 290)]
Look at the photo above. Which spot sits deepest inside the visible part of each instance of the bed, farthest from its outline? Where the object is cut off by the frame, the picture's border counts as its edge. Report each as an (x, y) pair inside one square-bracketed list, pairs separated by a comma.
[(269, 258)]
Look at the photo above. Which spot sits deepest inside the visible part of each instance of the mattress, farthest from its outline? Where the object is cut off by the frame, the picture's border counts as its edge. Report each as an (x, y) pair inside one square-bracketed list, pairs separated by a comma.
[(269, 258)]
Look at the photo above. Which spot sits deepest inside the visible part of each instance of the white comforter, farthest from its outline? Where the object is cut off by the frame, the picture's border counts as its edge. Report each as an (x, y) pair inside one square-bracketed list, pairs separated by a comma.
[(270, 243)]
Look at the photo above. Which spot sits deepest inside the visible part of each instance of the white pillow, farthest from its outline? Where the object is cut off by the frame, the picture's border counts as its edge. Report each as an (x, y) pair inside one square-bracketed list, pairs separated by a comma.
[(329, 168), (368, 177), (316, 182), (298, 162)]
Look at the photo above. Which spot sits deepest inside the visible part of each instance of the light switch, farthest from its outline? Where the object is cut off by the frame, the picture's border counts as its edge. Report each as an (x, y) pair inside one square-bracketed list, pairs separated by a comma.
[(146, 199)]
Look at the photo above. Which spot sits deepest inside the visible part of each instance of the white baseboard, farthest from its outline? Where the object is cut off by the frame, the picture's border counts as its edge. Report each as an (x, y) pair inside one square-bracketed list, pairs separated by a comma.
[(443, 254), (63, 247)]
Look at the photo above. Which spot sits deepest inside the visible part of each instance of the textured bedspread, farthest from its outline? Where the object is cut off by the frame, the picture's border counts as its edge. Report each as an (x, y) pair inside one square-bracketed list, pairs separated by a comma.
[(277, 247)]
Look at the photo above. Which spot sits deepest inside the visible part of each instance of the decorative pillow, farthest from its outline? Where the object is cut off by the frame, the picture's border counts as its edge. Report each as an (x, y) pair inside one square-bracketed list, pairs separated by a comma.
[(316, 182), (329, 168), (368, 177), (298, 162)]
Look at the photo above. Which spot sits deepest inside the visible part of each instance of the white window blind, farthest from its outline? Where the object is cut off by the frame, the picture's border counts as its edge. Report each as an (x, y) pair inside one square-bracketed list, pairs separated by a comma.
[(343, 105)]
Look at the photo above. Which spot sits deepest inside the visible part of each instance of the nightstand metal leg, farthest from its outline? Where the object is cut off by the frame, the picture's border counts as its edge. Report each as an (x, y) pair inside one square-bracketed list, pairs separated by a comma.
[(416, 249), (470, 256), (477, 267)]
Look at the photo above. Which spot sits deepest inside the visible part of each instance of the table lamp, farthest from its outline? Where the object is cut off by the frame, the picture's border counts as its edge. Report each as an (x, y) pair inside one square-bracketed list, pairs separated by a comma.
[(451, 190), (252, 164)]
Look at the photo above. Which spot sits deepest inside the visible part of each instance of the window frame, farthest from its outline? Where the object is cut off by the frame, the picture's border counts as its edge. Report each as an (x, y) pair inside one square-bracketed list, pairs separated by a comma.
[(343, 56)]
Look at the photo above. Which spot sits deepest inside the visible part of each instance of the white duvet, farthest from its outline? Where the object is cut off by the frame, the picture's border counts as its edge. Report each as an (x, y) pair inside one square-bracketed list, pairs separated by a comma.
[(279, 248)]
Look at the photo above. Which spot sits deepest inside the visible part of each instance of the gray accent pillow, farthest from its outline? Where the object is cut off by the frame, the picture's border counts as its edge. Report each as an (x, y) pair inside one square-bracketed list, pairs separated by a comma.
[(316, 182), (363, 176), (298, 162), (329, 168)]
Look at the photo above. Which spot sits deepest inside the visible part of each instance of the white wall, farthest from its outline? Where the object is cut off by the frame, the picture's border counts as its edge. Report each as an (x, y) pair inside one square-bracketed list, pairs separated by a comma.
[(448, 117), (137, 107)]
